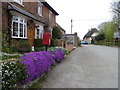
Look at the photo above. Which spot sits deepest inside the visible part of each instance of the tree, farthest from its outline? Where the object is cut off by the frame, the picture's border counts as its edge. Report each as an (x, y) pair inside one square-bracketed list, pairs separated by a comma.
[(100, 27), (116, 11), (100, 37), (56, 34), (116, 7), (108, 30)]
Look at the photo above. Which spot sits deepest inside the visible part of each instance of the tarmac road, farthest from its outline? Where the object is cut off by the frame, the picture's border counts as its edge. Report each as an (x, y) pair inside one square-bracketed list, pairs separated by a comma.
[(89, 66)]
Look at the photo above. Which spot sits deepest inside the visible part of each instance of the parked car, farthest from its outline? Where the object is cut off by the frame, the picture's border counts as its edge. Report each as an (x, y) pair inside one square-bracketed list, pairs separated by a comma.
[(84, 42)]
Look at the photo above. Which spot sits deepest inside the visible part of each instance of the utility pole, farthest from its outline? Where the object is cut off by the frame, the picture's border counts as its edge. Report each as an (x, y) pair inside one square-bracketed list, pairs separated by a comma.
[(71, 25)]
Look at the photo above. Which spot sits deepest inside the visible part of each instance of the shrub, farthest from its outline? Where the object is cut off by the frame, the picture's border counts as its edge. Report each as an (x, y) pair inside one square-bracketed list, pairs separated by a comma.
[(56, 34), (36, 63), (6, 57), (38, 42), (57, 48), (57, 55), (12, 73), (24, 46), (32, 66), (100, 37), (37, 49), (53, 43)]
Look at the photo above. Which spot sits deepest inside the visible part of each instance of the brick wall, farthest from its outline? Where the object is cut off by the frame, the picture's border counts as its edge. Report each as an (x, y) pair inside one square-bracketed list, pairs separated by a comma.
[(4, 18)]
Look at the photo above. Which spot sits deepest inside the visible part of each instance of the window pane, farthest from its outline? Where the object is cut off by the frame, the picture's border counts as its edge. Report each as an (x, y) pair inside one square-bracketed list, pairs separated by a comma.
[(21, 20), (24, 30), (40, 10), (15, 18), (21, 30), (15, 29), (41, 32), (37, 33)]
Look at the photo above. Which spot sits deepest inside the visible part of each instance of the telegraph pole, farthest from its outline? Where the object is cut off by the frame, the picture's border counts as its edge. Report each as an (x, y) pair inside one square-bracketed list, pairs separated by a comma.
[(71, 25)]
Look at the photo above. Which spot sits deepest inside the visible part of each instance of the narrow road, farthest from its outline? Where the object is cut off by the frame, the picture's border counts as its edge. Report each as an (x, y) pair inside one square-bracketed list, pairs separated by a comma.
[(89, 66)]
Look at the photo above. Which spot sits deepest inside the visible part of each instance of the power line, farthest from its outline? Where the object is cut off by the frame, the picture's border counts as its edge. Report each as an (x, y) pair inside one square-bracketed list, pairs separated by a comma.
[(87, 20)]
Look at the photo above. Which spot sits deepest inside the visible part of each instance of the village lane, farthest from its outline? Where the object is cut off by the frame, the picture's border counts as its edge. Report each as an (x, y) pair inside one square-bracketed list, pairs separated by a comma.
[(89, 66)]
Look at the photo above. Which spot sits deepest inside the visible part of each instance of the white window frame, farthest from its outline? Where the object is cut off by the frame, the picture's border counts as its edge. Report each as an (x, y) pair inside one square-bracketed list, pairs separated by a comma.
[(19, 2), (40, 28), (24, 23), (50, 16), (39, 9)]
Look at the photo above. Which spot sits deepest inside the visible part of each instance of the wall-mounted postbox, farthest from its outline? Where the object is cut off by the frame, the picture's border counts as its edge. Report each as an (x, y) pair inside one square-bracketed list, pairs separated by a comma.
[(46, 39)]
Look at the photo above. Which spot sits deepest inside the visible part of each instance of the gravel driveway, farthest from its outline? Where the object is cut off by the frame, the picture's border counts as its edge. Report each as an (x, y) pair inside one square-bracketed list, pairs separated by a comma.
[(89, 66)]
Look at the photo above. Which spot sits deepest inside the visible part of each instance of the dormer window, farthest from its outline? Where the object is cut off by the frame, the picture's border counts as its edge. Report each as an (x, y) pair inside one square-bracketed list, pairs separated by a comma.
[(19, 1), (39, 9)]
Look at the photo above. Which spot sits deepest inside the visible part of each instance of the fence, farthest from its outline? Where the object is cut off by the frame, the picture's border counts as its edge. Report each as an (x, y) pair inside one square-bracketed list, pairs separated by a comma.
[(109, 43)]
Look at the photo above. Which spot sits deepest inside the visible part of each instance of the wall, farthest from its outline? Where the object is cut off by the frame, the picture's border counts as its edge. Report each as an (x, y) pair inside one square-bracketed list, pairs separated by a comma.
[(46, 17)]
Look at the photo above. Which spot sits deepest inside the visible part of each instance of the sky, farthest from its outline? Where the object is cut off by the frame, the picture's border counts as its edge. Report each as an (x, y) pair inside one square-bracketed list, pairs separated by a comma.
[(86, 14)]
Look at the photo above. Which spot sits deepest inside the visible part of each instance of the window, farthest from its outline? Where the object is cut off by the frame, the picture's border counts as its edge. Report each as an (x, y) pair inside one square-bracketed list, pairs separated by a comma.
[(50, 16), (19, 1), (40, 9), (19, 28), (39, 32)]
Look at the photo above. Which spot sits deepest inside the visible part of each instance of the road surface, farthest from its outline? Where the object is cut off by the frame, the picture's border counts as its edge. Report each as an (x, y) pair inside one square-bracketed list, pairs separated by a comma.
[(89, 66)]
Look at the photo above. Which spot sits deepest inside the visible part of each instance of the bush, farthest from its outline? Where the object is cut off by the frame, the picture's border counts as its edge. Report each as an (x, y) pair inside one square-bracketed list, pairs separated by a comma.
[(57, 48), (56, 34), (100, 37), (53, 43), (6, 57), (37, 49), (24, 46), (12, 73), (57, 55), (32, 66), (37, 63), (11, 49), (38, 43)]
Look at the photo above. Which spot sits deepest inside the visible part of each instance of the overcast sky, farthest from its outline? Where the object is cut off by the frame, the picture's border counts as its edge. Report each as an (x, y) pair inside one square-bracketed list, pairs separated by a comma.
[(86, 14)]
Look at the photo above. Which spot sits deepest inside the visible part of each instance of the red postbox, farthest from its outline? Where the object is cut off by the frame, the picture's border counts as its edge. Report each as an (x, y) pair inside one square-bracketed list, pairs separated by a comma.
[(46, 39)]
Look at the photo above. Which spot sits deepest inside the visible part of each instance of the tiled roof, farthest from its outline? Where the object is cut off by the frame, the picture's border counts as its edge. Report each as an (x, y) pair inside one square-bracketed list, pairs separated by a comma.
[(15, 8)]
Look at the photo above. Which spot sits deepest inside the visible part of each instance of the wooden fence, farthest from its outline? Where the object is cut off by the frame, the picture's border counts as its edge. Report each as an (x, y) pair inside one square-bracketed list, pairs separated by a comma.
[(109, 43)]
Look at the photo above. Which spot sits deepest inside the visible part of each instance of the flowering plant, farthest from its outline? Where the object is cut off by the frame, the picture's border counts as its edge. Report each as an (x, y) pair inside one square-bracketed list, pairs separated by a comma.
[(58, 48), (12, 73), (57, 55), (30, 67), (36, 63)]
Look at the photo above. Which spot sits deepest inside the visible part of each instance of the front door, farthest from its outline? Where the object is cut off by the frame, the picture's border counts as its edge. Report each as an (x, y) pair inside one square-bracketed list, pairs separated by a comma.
[(31, 33)]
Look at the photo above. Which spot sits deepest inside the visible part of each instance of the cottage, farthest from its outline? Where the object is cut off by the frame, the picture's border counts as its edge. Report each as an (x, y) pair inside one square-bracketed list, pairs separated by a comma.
[(91, 35), (26, 21)]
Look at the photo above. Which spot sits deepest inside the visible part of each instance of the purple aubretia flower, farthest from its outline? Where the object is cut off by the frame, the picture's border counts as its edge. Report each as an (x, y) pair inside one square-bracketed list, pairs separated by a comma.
[(36, 63)]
